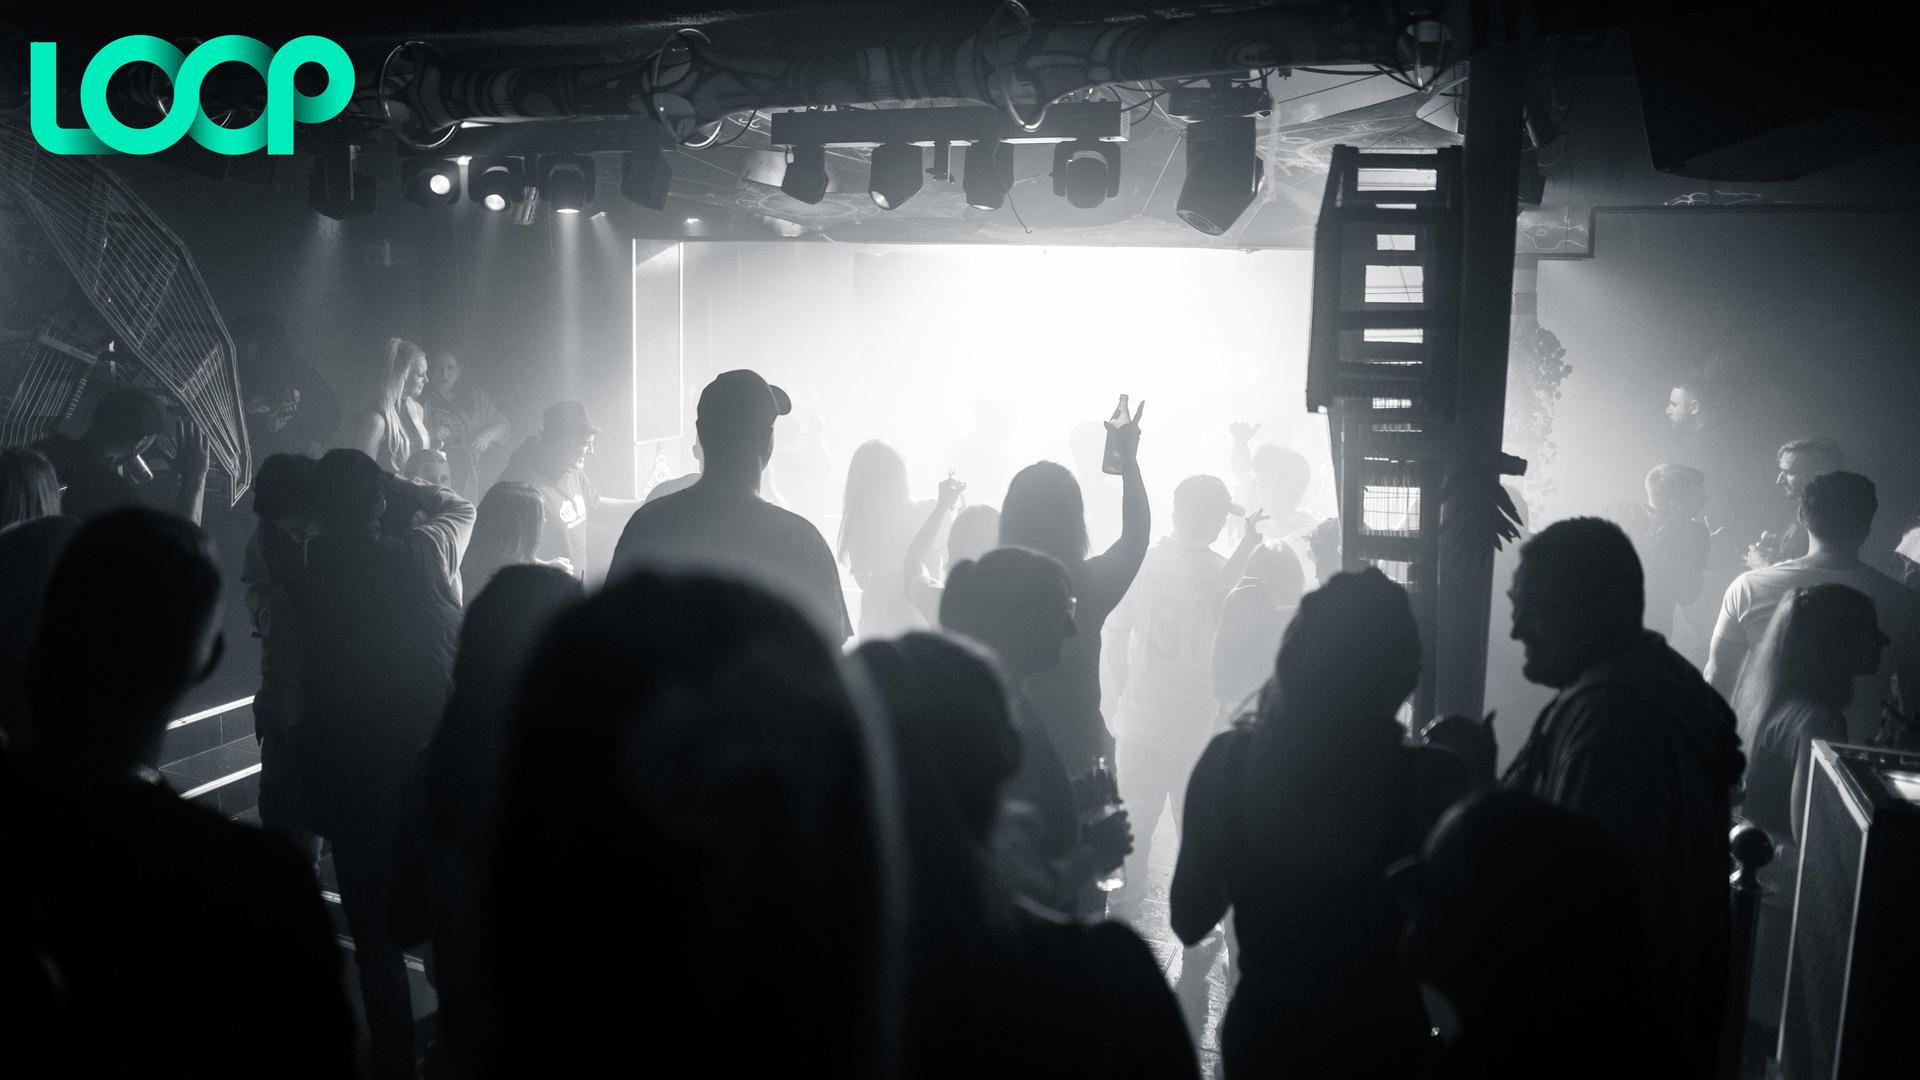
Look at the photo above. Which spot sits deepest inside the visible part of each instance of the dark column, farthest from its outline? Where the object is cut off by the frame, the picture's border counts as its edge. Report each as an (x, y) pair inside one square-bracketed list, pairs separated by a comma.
[(1495, 92)]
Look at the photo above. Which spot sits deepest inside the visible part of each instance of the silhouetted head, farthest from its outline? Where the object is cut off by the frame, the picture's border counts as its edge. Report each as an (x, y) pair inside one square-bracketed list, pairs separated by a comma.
[(1522, 914), (876, 498), (129, 622), (1803, 459), (1283, 476), (502, 625), (125, 423), (735, 418), (1687, 404), (1351, 651), (430, 465), (1200, 508), (1578, 598), (28, 487), (682, 745), (952, 725), (1278, 570), (975, 531), (1017, 602), (443, 373), (1676, 491), (1838, 509), (349, 492), (1043, 511), (1819, 640), (508, 527), (567, 434), (283, 494)]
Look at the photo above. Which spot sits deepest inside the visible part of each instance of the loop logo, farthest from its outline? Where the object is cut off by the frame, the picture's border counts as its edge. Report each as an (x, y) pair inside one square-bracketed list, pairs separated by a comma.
[(105, 134)]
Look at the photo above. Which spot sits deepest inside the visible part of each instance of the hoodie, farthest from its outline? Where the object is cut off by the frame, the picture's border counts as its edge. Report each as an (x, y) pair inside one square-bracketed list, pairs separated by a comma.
[(1644, 746)]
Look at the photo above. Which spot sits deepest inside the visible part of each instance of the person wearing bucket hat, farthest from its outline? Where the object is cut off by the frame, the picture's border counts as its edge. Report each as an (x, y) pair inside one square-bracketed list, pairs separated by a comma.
[(555, 463), (1159, 661), (721, 522)]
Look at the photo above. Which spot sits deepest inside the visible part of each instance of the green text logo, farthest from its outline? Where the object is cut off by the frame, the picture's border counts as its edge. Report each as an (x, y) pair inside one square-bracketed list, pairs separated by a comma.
[(273, 129)]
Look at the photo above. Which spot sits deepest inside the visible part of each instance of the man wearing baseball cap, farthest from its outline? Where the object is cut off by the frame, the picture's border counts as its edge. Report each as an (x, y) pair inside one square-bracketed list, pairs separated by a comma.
[(722, 524), (1159, 661), (555, 463)]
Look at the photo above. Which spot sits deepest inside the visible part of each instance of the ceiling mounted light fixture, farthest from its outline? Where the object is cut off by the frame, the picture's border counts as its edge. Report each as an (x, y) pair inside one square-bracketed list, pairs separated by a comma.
[(896, 174), (806, 177), (430, 181), (567, 180), (646, 177), (1086, 171), (986, 174), (1224, 173), (497, 183)]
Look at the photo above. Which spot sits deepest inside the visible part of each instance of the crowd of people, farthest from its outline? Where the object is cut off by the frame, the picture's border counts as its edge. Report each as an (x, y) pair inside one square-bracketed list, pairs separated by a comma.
[(702, 819)]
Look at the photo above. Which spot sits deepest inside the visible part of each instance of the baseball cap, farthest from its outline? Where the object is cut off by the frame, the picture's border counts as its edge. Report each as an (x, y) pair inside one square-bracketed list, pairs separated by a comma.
[(1206, 493), (565, 418), (739, 405)]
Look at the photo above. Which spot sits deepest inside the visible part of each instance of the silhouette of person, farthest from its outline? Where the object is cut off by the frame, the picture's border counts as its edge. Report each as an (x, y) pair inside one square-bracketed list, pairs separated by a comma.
[(182, 944), (288, 405), (461, 420), (1793, 689), (1019, 604), (508, 531), (1043, 511), (96, 469), (440, 883), (28, 487), (275, 559), (1292, 821), (1159, 658), (1838, 510), (27, 554), (877, 524), (973, 532), (1800, 460), (377, 620), (1676, 543), (721, 524), (1636, 740), (680, 745), (1056, 995), (554, 462), (393, 425), (1523, 917), (1253, 619)]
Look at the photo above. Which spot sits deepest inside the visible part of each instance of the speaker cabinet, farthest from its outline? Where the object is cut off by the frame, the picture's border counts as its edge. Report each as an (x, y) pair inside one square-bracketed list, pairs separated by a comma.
[(1853, 974)]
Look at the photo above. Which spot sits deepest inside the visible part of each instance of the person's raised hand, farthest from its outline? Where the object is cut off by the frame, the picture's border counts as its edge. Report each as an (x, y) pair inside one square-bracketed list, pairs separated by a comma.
[(950, 492), (1253, 523), (1126, 437), (1242, 431), (195, 455)]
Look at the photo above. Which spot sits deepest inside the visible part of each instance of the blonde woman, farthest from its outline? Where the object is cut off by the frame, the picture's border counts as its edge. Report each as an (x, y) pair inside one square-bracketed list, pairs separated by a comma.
[(393, 425)]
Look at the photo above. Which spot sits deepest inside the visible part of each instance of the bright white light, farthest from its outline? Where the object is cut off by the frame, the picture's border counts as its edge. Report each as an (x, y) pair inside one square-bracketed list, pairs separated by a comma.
[(462, 159), (693, 221), (495, 201), (440, 183), (566, 209)]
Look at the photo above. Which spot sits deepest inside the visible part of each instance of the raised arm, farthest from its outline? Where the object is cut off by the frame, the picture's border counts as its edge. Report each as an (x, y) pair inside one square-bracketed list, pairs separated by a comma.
[(191, 464), (1236, 567), (913, 567), (1112, 571), (448, 523)]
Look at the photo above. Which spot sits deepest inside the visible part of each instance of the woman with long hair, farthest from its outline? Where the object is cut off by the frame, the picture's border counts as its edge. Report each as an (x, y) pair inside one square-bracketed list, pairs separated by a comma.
[(393, 425), (1794, 689), (993, 988), (1292, 820), (877, 523), (28, 487), (1043, 510), (507, 531)]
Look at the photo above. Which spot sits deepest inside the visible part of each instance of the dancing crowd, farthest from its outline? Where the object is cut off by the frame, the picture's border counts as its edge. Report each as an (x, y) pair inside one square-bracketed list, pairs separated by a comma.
[(698, 820)]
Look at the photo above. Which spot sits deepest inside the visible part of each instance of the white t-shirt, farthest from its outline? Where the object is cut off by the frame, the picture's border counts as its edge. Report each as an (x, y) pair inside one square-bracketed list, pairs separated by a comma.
[(1166, 623), (1754, 596)]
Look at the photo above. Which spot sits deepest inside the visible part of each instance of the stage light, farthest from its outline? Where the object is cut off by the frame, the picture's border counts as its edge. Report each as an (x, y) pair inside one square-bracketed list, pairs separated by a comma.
[(806, 178), (646, 177), (497, 183), (1086, 171), (567, 180), (1224, 173), (987, 173), (334, 189), (895, 175), (693, 221), (429, 181)]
